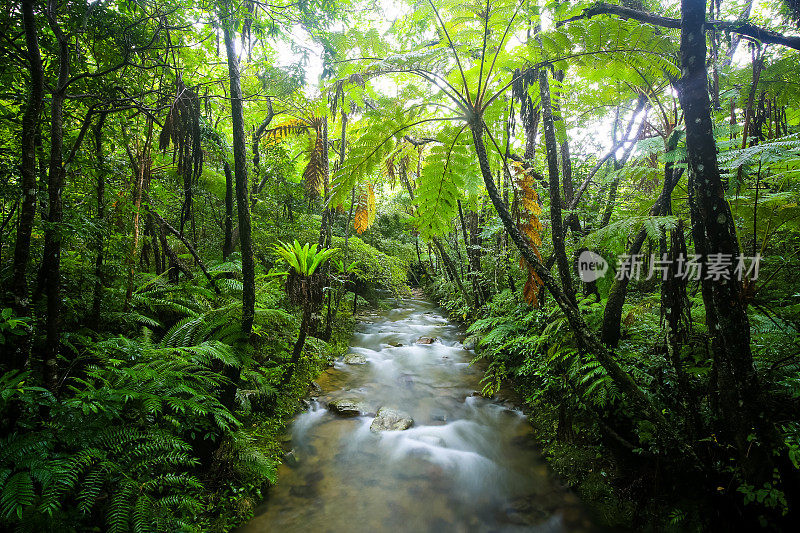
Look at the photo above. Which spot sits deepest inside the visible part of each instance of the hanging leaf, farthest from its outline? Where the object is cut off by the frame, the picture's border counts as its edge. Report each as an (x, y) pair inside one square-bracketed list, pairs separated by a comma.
[(388, 169), (314, 173), (531, 288), (365, 210), (529, 225), (361, 220), (278, 133)]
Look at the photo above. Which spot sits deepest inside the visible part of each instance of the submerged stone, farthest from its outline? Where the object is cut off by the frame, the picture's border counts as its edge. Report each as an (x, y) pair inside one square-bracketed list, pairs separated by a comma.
[(290, 459), (303, 491), (348, 406), (438, 416), (426, 340), (355, 359), (390, 420), (470, 343)]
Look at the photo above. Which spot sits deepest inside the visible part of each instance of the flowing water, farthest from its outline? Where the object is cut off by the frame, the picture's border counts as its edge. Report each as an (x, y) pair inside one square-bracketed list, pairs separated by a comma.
[(466, 464)]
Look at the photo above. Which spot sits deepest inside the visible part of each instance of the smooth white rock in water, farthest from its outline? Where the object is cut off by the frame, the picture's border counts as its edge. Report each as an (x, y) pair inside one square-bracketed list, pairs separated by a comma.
[(390, 420)]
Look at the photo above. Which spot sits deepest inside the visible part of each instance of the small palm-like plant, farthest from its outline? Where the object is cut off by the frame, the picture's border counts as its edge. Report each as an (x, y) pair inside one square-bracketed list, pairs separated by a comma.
[(303, 259), (302, 287)]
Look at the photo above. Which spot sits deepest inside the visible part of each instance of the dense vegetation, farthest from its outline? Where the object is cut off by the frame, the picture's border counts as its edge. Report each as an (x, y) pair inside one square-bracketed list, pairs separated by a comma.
[(189, 220)]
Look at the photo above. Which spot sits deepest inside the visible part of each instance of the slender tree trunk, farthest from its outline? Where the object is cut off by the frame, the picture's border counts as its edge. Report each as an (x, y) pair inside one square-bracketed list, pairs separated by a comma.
[(327, 219), (619, 162), (142, 169), (675, 313), (566, 160), (97, 299), (27, 214), (297, 351), (555, 197), (51, 260), (345, 253), (714, 232), (240, 173), (472, 278), (227, 246), (164, 224), (258, 184), (452, 270)]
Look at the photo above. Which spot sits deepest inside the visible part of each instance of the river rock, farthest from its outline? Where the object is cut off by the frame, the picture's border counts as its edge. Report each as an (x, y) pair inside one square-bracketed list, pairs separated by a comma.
[(526, 511), (470, 343), (426, 340), (390, 420), (438, 415), (348, 406), (355, 359), (406, 380), (290, 459), (303, 491)]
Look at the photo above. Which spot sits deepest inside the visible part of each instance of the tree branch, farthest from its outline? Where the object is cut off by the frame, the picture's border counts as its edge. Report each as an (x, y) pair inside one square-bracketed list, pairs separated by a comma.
[(739, 27), (188, 245)]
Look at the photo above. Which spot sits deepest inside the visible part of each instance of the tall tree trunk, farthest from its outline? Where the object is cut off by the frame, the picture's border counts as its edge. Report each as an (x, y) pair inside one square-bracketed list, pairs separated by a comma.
[(240, 174), (556, 222), (472, 278), (340, 292), (51, 260), (561, 130), (27, 214), (142, 169), (619, 162), (97, 298), (297, 350), (258, 184), (325, 234), (714, 233), (227, 246)]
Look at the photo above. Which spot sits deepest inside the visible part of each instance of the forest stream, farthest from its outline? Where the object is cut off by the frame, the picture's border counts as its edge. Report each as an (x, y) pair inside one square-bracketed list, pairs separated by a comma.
[(466, 463)]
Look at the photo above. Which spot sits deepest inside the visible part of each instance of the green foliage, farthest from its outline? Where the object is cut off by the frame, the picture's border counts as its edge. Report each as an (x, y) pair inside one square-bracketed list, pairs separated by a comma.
[(12, 325), (375, 268), (303, 259), (126, 432), (134, 434), (442, 182)]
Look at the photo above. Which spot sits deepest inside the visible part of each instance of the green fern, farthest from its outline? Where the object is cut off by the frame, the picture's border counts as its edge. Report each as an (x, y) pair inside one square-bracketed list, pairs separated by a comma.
[(442, 182)]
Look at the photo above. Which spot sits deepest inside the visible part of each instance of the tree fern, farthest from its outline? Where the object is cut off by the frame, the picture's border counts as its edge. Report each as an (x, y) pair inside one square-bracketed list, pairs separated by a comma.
[(368, 150), (441, 183)]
